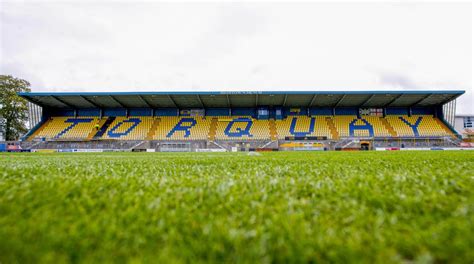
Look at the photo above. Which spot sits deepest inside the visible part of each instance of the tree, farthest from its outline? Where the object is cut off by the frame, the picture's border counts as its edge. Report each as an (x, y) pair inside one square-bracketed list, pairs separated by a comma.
[(13, 108)]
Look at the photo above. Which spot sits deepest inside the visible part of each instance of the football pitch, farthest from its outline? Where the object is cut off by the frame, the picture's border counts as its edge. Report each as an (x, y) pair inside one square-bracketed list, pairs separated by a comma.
[(388, 207)]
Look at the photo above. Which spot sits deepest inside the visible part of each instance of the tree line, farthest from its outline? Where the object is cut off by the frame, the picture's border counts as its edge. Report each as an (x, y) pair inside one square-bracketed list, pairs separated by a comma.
[(13, 108)]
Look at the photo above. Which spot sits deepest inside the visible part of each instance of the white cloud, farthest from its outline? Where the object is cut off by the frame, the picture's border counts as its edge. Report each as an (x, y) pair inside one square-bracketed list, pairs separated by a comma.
[(239, 46)]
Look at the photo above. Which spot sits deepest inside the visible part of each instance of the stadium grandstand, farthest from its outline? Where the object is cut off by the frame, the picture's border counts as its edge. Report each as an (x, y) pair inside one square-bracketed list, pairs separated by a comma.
[(234, 121)]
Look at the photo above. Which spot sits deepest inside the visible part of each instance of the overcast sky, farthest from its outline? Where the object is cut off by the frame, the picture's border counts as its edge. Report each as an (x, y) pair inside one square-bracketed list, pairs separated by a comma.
[(116, 46)]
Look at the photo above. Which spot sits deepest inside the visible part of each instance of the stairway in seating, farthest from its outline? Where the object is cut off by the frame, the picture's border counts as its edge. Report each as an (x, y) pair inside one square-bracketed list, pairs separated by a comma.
[(273, 130), (153, 128), (332, 127), (104, 127), (213, 129), (95, 131), (387, 125), (446, 128), (37, 131)]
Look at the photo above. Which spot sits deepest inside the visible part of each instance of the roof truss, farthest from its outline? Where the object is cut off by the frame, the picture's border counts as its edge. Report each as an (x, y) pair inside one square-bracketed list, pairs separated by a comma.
[(173, 101), (145, 101), (90, 102), (62, 101), (422, 99), (340, 100), (117, 101)]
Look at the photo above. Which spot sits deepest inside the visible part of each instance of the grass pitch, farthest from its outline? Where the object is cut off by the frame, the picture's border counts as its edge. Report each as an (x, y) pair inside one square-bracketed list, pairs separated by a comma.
[(228, 207)]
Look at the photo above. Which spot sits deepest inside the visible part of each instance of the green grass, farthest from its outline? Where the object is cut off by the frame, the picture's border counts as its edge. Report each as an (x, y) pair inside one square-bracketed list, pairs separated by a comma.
[(278, 207)]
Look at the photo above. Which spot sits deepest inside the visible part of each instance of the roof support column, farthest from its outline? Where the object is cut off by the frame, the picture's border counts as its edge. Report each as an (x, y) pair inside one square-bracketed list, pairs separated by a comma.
[(453, 116), (75, 113)]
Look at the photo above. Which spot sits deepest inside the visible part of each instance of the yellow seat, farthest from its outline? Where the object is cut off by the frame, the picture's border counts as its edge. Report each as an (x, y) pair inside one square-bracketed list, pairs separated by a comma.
[(302, 127), (257, 129), (129, 128), (190, 128), (65, 128), (427, 126), (242, 127)]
